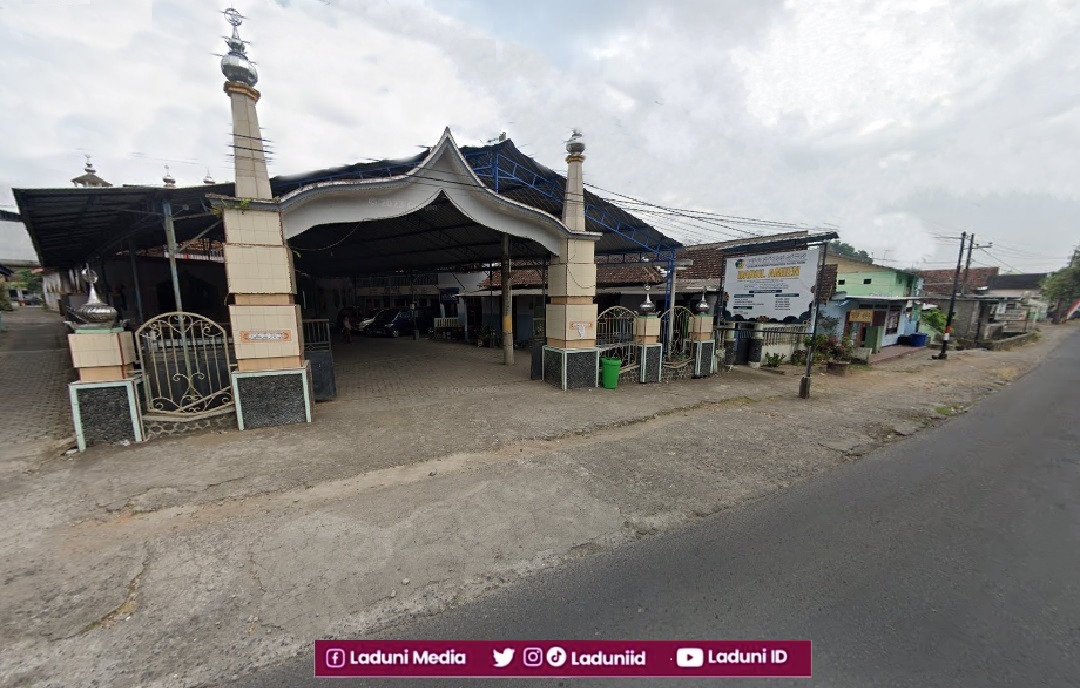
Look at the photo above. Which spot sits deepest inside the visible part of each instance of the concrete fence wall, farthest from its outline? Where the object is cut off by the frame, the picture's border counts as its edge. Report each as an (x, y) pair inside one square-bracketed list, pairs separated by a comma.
[(1012, 342)]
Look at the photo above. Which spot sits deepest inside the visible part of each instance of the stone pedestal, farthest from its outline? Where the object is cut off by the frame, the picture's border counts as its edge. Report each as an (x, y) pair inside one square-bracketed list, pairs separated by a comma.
[(704, 357), (571, 368), (106, 412), (651, 358), (266, 398)]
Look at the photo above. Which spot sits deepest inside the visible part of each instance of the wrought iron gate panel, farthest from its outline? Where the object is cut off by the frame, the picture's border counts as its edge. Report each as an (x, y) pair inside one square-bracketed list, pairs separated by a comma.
[(680, 338), (615, 335), (186, 363)]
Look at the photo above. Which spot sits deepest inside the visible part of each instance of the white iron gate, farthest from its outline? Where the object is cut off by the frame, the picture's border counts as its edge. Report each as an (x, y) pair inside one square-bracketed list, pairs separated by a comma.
[(186, 361)]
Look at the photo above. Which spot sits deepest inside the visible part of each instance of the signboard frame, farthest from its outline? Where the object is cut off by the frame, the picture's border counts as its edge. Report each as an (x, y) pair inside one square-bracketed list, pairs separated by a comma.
[(775, 287)]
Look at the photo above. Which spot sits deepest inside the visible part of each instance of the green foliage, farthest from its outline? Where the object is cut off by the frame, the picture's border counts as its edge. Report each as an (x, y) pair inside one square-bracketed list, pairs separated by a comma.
[(5, 300), (798, 357), (1063, 284), (839, 248), (828, 348), (934, 318), (29, 279), (773, 360)]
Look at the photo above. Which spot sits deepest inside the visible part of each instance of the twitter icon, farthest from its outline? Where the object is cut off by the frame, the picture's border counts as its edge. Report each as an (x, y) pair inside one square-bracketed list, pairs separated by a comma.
[(503, 658)]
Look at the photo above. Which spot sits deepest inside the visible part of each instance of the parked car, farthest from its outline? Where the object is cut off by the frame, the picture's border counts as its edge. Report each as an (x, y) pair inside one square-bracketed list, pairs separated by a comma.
[(391, 324), (364, 322), (357, 319)]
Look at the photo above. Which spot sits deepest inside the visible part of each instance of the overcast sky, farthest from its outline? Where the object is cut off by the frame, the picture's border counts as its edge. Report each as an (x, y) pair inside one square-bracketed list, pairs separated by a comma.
[(900, 122)]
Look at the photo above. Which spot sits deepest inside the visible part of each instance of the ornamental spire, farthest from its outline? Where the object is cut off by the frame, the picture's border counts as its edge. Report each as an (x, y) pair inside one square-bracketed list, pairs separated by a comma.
[(235, 65)]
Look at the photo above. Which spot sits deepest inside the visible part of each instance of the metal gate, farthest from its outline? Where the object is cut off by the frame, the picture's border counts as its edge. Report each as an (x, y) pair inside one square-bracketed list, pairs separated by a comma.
[(186, 361), (615, 335), (679, 348), (742, 345)]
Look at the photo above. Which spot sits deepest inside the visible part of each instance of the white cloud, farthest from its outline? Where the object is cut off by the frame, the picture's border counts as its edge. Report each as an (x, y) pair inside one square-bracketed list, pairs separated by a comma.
[(829, 111)]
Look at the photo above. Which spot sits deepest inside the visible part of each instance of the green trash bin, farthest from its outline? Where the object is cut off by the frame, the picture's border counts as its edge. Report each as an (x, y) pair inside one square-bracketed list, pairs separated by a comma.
[(609, 372)]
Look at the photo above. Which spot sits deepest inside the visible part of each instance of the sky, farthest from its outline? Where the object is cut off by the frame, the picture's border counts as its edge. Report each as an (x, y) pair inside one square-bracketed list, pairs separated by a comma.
[(899, 123)]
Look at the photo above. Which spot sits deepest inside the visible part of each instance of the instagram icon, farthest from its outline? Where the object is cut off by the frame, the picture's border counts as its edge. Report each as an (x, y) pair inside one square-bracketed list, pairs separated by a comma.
[(532, 657), (335, 658)]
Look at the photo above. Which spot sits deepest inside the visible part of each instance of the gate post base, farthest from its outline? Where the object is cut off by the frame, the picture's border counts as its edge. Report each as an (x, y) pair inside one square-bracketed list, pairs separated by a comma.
[(651, 362), (704, 357), (268, 398), (571, 368), (106, 412)]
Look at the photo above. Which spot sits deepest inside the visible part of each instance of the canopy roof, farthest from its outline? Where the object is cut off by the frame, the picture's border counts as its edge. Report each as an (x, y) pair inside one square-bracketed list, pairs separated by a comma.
[(71, 226)]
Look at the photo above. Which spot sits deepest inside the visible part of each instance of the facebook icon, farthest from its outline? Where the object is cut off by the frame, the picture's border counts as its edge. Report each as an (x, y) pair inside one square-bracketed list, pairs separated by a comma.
[(335, 658)]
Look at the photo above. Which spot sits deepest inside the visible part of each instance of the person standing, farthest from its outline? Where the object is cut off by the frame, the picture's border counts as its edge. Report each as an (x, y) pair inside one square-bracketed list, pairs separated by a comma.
[(346, 327)]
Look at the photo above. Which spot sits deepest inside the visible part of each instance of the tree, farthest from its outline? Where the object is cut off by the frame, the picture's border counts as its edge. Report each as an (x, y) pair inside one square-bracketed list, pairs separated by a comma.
[(839, 248), (29, 279), (1063, 287)]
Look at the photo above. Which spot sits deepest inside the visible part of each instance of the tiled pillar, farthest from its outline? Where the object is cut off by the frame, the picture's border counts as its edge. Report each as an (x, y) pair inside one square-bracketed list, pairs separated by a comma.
[(703, 344), (571, 315), (650, 350), (272, 382), (571, 358), (104, 401)]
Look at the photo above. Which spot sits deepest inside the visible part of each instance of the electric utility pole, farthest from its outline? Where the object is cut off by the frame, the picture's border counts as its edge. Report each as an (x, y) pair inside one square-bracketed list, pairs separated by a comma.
[(952, 301), (967, 265)]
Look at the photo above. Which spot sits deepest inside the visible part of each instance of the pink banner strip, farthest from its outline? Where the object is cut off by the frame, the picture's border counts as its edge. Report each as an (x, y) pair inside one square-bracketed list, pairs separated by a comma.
[(562, 658)]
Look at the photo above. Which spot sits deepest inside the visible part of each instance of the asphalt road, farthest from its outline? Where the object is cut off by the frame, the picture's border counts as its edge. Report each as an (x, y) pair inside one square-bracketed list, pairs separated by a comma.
[(951, 559)]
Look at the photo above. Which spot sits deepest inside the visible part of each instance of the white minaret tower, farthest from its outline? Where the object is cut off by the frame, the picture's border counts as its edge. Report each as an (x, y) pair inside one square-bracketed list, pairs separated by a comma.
[(252, 179), (265, 319), (574, 200)]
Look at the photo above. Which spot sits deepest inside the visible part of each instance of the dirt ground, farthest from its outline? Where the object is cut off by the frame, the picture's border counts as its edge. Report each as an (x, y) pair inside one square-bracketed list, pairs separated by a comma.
[(188, 560)]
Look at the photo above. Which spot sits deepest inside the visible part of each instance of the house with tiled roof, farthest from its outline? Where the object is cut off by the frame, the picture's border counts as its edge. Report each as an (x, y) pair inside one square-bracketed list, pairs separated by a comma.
[(940, 282), (625, 280)]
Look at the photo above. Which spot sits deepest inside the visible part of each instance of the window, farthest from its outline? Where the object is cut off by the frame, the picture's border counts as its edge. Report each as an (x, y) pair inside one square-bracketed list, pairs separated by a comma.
[(892, 325), (866, 281), (840, 281)]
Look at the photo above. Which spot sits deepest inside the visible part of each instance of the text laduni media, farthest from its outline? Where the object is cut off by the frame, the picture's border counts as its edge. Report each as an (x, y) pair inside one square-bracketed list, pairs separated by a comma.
[(417, 657)]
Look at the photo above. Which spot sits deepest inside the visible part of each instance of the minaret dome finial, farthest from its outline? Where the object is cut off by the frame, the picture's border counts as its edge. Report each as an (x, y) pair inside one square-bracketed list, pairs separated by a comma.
[(235, 65)]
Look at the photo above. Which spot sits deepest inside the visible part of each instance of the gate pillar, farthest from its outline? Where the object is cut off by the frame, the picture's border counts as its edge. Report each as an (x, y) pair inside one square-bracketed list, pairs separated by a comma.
[(757, 342), (571, 358), (703, 344), (272, 381), (651, 351), (729, 346), (104, 400)]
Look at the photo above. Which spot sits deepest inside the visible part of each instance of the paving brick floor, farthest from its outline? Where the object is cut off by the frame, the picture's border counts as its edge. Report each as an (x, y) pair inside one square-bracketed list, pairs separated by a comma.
[(384, 368), (35, 368)]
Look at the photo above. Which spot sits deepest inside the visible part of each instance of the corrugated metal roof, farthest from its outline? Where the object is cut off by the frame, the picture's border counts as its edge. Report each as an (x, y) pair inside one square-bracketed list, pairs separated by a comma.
[(69, 226)]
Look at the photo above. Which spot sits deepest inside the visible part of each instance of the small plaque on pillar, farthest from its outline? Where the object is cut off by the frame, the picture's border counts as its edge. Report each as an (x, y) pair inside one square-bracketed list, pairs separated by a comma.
[(266, 336)]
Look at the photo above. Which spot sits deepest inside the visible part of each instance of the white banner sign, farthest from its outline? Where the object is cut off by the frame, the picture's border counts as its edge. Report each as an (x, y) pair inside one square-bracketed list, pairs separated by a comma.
[(776, 286)]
